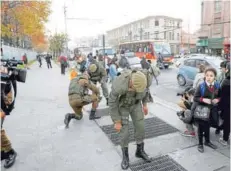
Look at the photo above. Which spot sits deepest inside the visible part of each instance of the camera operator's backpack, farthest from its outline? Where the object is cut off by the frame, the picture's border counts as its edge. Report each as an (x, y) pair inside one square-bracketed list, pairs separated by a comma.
[(203, 86)]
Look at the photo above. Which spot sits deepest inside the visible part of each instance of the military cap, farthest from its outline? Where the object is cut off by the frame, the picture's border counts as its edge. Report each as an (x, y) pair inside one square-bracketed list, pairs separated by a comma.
[(139, 81), (92, 68)]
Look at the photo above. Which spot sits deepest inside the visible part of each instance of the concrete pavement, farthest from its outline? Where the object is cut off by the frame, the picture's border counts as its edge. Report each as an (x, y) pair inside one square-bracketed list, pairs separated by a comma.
[(37, 133)]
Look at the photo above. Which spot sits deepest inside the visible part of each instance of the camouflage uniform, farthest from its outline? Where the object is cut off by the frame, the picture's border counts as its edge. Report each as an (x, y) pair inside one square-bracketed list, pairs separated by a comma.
[(124, 101), (98, 74), (79, 97)]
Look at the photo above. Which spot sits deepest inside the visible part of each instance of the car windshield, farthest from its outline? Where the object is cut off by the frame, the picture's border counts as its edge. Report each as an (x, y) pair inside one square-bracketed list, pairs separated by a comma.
[(163, 48), (134, 61)]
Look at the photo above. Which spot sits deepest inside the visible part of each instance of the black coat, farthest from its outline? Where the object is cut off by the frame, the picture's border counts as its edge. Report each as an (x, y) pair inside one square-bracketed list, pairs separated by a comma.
[(225, 98), (209, 94)]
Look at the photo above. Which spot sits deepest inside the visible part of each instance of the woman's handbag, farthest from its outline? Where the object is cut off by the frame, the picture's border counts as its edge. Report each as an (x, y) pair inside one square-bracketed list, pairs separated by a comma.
[(202, 113)]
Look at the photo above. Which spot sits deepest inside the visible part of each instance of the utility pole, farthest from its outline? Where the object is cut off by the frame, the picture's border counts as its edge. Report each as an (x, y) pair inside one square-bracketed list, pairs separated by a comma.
[(188, 36), (65, 22)]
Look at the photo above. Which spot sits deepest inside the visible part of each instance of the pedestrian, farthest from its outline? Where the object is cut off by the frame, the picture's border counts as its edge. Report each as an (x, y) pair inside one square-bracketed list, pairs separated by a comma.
[(98, 74), (63, 64), (160, 60), (25, 60), (225, 106), (144, 63), (113, 70), (221, 77), (205, 109), (39, 60), (200, 76), (127, 93), (101, 60), (48, 60), (123, 62), (79, 97)]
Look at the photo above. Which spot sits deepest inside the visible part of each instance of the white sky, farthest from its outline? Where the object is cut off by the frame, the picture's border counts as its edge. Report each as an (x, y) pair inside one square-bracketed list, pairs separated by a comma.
[(118, 12)]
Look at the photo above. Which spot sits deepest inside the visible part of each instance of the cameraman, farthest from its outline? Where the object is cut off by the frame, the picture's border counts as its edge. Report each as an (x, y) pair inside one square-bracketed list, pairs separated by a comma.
[(186, 104), (8, 94)]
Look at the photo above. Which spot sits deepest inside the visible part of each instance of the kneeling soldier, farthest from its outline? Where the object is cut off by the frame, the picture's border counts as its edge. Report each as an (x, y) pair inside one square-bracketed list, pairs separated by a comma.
[(79, 97)]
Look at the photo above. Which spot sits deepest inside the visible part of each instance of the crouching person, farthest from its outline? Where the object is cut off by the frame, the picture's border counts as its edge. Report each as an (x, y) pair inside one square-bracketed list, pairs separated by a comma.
[(79, 97)]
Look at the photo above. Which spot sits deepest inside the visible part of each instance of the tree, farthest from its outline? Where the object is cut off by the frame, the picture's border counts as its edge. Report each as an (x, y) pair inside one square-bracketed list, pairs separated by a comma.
[(24, 19), (57, 43)]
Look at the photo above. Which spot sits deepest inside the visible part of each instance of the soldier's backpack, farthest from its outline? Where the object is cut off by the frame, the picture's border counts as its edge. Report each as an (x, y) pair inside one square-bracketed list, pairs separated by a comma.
[(154, 70), (149, 81)]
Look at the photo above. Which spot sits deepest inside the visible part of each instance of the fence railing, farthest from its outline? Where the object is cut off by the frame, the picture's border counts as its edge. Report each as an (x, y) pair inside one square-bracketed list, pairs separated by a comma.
[(10, 52)]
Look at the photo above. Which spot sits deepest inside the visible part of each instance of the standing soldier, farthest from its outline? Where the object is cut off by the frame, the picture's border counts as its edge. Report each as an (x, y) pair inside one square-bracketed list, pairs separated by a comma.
[(98, 74), (129, 97), (79, 97)]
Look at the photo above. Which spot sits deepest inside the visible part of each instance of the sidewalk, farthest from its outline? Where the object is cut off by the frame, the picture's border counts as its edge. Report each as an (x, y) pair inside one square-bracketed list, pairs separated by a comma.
[(37, 132)]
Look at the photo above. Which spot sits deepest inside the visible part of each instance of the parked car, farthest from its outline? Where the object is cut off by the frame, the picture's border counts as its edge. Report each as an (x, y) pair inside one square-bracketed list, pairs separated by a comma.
[(179, 60), (189, 68), (134, 62)]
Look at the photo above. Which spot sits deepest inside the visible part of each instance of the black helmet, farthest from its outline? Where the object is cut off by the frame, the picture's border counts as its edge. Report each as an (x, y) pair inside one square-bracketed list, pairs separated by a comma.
[(223, 64)]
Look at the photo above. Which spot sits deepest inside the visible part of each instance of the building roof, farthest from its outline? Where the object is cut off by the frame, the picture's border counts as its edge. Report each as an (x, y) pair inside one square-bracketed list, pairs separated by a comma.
[(148, 17)]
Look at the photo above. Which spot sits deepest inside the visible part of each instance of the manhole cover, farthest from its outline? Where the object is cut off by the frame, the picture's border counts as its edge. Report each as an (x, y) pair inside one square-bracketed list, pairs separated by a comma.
[(162, 163), (153, 127), (101, 112)]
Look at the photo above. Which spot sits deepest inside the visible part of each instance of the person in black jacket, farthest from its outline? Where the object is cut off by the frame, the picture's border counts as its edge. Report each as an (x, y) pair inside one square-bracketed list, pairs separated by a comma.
[(210, 98), (225, 106)]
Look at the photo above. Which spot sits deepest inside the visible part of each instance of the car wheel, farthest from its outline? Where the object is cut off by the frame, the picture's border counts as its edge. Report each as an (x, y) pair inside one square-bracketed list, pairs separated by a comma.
[(166, 67), (181, 80)]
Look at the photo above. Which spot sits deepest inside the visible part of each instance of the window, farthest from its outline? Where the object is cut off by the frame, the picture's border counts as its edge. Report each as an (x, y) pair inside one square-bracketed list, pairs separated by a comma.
[(178, 36), (190, 62), (156, 34), (217, 5), (173, 35), (201, 62), (156, 22), (170, 35), (165, 35), (178, 24)]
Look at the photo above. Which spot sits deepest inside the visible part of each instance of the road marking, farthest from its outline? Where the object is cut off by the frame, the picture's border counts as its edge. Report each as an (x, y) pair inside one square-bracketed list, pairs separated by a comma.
[(167, 104)]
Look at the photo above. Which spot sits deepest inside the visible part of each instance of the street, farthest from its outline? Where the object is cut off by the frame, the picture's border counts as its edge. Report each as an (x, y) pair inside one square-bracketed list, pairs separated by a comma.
[(37, 132)]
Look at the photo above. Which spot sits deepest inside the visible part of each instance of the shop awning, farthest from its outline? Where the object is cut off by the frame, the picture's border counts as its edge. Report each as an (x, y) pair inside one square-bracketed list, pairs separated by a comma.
[(215, 43), (202, 42)]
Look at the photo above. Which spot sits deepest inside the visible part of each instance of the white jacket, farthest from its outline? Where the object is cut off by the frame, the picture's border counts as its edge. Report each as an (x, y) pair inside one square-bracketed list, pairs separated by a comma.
[(198, 79)]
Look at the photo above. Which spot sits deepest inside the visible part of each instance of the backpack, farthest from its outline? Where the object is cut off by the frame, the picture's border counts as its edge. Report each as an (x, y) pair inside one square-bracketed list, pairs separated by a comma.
[(203, 85), (155, 70)]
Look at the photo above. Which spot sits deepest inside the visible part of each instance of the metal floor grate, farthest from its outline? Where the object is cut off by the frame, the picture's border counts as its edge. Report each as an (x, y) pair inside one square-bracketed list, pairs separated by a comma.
[(153, 127), (162, 163)]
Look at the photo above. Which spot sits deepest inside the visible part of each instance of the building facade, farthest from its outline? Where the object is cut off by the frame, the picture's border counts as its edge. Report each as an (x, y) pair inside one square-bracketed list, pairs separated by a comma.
[(215, 27), (152, 27), (189, 42)]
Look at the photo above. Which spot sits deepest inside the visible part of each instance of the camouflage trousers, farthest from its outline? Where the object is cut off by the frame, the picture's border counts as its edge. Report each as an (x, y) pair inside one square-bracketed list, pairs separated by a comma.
[(77, 102), (104, 88), (137, 116), (5, 142)]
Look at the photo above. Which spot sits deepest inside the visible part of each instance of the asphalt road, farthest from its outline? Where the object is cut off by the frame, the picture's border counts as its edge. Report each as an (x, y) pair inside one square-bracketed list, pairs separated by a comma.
[(168, 86)]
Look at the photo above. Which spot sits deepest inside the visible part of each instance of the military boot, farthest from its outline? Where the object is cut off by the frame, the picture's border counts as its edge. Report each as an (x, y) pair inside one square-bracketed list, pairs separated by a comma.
[(125, 161), (92, 115), (10, 158), (107, 101), (68, 118), (140, 153)]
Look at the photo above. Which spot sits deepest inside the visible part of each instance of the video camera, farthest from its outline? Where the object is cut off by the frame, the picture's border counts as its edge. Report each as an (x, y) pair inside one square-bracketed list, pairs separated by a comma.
[(13, 73)]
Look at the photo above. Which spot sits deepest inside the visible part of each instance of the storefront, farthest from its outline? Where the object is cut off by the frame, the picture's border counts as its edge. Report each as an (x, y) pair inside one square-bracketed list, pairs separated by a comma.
[(216, 46), (202, 45)]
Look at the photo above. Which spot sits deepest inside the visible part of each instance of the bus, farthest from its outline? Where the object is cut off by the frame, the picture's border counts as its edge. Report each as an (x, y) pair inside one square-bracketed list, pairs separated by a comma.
[(149, 49)]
